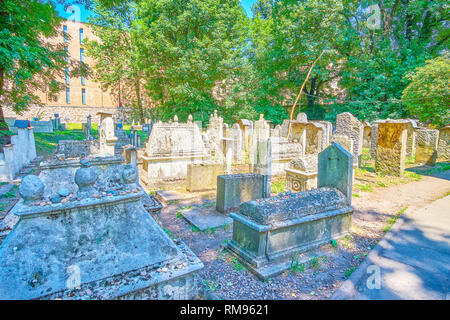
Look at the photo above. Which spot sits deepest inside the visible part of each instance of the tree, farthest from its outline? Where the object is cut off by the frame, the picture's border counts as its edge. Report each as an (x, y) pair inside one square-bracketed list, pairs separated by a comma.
[(404, 35), (427, 96), (286, 37), (187, 48), (117, 65), (29, 62)]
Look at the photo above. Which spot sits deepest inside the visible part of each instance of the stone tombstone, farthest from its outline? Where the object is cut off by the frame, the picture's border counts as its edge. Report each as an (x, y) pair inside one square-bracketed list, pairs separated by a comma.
[(74, 148), (302, 173), (344, 141), (227, 149), (216, 134), (263, 164), (301, 116), (391, 147), (203, 176), (246, 127), (105, 243), (169, 149), (427, 144), (335, 170), (373, 141), (234, 189), (276, 133), (236, 136), (327, 133), (130, 152), (261, 130), (444, 143), (411, 138), (106, 134), (348, 125), (366, 136)]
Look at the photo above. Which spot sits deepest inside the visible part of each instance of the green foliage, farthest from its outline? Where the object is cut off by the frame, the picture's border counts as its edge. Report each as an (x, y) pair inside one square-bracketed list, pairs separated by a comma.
[(29, 62), (427, 95), (296, 266)]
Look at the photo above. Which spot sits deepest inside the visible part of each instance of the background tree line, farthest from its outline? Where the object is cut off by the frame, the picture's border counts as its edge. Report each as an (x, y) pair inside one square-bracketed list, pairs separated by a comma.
[(380, 59)]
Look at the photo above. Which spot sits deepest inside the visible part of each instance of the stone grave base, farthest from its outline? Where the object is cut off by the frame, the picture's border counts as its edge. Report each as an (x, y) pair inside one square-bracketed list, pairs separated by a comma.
[(206, 218)]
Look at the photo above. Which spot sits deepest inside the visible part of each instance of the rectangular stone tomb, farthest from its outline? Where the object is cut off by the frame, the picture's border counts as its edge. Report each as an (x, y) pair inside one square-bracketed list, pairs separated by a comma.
[(234, 189), (267, 233), (74, 148), (102, 246)]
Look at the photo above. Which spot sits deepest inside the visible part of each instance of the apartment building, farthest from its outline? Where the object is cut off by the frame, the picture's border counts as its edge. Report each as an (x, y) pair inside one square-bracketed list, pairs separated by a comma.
[(82, 96)]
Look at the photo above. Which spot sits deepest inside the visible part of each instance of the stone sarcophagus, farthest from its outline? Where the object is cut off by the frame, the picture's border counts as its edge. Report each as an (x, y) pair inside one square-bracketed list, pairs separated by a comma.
[(170, 148), (268, 232), (98, 242)]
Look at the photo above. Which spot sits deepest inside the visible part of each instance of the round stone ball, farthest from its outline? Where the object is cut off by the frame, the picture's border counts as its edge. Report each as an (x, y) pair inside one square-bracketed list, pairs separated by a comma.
[(129, 174), (31, 188), (85, 177)]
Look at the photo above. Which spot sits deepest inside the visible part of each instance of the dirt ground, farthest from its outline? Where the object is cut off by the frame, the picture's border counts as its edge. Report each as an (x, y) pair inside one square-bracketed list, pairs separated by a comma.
[(317, 274)]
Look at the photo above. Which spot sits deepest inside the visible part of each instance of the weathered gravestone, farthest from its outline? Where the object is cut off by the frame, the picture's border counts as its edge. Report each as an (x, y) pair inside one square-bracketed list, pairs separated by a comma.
[(99, 246), (234, 189), (427, 144), (106, 134), (268, 232), (444, 143), (236, 136), (170, 148), (74, 148), (348, 125), (391, 147)]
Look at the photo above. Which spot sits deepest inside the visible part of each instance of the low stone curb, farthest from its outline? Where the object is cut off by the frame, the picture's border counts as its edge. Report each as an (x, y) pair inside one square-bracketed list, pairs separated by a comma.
[(348, 290)]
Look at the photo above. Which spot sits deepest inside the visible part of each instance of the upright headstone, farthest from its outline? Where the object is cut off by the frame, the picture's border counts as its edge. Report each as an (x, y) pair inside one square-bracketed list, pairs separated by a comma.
[(236, 136), (366, 136), (215, 134), (391, 147), (373, 141), (444, 143), (344, 141), (106, 134), (263, 164), (427, 144), (348, 125), (335, 170), (227, 149), (411, 138)]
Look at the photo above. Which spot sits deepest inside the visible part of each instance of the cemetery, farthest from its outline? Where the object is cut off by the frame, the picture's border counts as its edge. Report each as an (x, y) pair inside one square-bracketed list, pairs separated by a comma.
[(224, 150), (226, 222)]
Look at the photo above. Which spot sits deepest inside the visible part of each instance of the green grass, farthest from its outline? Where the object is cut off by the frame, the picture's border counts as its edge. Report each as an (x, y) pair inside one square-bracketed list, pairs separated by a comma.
[(8, 194), (47, 142), (349, 272), (296, 266), (347, 242), (278, 186), (391, 221), (356, 195), (364, 187), (237, 265), (316, 262)]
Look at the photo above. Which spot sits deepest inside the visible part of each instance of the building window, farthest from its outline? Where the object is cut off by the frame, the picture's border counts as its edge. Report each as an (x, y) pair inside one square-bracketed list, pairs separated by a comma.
[(82, 55), (67, 76), (81, 35), (65, 33), (83, 81), (67, 95), (83, 96), (67, 54)]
